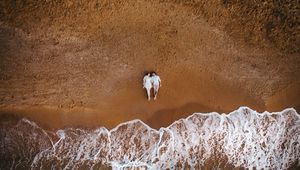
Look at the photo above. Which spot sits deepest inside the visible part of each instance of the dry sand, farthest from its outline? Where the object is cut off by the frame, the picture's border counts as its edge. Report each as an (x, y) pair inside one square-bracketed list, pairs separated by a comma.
[(83, 66)]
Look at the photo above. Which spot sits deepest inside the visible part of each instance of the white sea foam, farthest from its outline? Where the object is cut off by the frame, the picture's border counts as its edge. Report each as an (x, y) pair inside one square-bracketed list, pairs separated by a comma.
[(242, 138)]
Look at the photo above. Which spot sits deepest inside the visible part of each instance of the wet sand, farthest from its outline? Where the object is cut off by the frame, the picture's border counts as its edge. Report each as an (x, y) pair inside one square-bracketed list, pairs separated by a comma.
[(176, 100)]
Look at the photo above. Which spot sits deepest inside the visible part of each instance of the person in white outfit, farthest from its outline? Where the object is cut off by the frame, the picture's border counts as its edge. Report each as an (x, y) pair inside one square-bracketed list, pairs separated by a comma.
[(156, 82), (147, 84)]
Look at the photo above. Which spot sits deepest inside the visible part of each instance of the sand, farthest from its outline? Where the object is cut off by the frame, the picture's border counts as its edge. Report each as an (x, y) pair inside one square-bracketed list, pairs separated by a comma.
[(83, 66)]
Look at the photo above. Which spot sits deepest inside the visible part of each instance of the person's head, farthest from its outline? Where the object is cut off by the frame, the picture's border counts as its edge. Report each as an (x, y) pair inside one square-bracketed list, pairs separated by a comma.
[(147, 74), (153, 73)]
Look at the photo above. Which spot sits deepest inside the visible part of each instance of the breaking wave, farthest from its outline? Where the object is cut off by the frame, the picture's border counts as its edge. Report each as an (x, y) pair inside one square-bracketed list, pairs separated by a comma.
[(242, 139)]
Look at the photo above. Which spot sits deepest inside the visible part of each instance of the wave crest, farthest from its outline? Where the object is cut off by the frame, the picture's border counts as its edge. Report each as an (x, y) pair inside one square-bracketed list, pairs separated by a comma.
[(243, 138)]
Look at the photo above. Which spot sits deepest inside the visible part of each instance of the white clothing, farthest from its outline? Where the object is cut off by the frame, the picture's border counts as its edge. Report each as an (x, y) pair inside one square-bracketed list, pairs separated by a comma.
[(155, 87), (155, 80), (148, 92), (147, 82)]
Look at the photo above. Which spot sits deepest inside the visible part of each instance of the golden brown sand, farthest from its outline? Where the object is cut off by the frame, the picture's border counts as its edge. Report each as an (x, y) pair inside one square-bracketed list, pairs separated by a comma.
[(82, 64)]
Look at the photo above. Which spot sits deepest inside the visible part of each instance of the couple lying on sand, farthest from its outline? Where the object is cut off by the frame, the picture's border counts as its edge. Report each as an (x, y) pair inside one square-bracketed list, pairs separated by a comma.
[(151, 80)]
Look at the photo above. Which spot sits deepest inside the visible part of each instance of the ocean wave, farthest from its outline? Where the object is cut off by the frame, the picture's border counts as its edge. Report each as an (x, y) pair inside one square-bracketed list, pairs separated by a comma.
[(243, 138)]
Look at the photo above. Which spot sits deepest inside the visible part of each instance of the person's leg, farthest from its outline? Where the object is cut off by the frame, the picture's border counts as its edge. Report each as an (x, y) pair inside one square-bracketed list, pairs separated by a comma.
[(156, 87), (148, 93)]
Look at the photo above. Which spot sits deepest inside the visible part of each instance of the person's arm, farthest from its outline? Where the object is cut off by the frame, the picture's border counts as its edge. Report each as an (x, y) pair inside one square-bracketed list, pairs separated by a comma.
[(144, 81), (159, 81)]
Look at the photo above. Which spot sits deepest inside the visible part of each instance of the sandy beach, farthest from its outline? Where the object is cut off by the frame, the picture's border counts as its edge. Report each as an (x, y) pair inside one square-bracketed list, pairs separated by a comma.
[(81, 64)]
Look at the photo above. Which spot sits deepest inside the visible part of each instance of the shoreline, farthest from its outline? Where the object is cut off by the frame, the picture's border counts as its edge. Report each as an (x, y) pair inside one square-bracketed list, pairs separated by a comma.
[(54, 118)]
